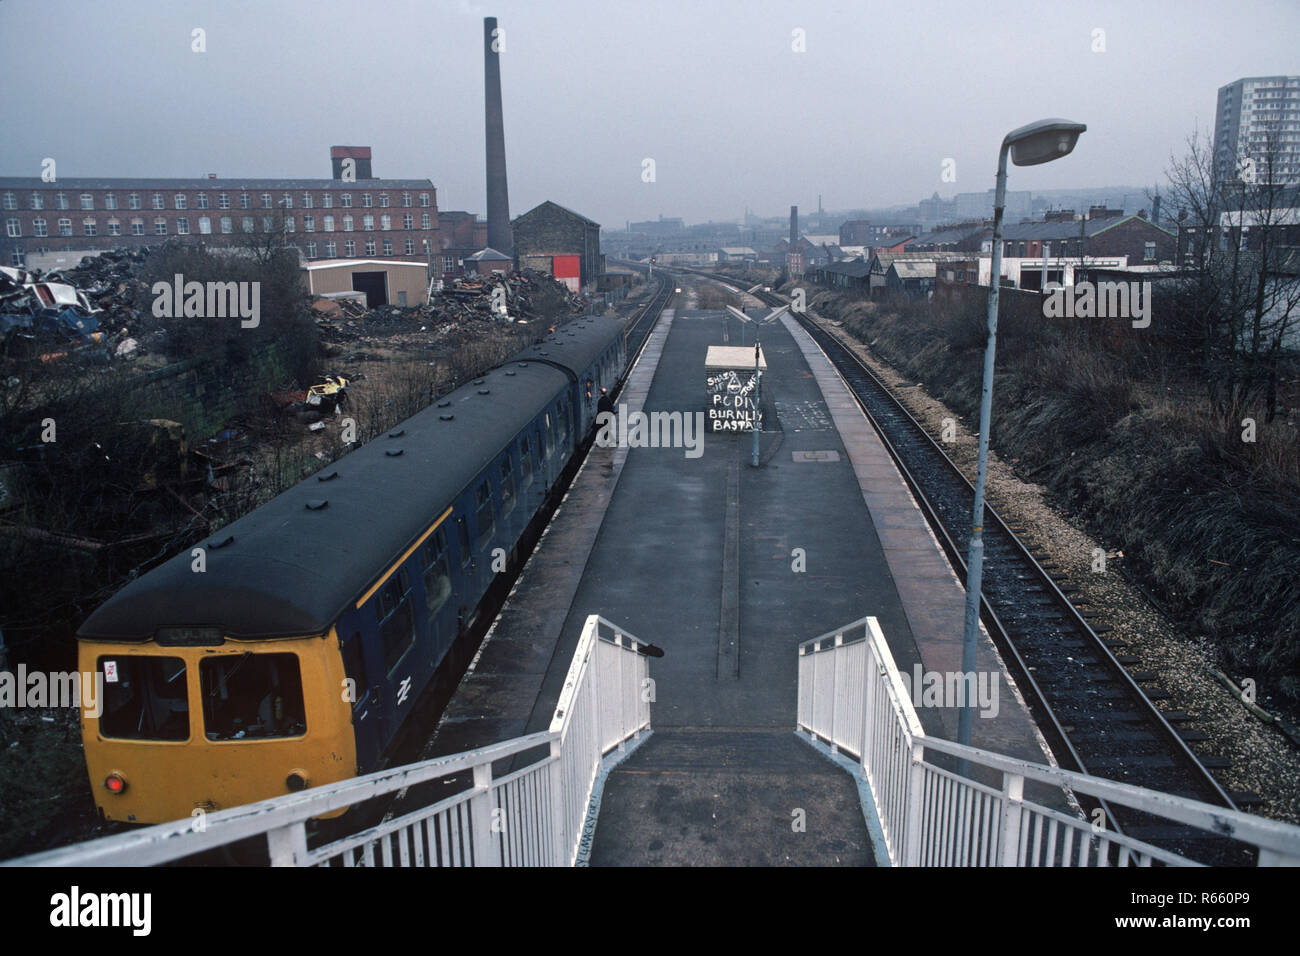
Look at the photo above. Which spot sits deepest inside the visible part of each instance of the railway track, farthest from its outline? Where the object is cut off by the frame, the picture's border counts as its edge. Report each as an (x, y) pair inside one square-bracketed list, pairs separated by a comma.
[(1096, 716)]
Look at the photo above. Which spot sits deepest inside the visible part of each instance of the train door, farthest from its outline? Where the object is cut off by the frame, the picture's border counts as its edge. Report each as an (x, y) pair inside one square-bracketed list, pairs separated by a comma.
[(362, 695), (395, 612)]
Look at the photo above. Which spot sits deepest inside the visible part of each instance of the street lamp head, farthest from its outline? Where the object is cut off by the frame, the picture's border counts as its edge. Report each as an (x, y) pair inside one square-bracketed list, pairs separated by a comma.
[(1043, 141)]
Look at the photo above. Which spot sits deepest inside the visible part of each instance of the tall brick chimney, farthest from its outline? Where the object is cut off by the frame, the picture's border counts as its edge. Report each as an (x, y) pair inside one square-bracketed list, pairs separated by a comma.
[(498, 200), (794, 226), (360, 155)]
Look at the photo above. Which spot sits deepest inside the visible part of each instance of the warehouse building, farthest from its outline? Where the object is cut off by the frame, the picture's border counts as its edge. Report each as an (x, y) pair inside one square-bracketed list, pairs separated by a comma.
[(561, 243)]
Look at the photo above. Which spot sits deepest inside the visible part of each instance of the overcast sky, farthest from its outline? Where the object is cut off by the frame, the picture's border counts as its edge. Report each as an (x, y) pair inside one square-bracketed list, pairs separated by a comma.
[(713, 92)]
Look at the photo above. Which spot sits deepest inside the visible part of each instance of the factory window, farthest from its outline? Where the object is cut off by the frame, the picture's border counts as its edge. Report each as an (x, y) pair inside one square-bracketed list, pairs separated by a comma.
[(385, 223), (38, 201), (16, 258), (182, 226), (326, 201), (89, 227), (424, 200), (345, 200), (383, 200), (179, 200), (157, 201), (406, 200), (331, 249), (201, 201), (410, 247), (408, 221), (507, 486), (61, 201), (65, 227), (349, 248), (370, 247), (308, 223), (328, 224), (245, 201), (265, 200), (246, 223), (311, 250), (39, 228), (87, 201), (366, 201), (388, 250), (145, 698), (286, 200), (11, 201), (132, 202), (1148, 250), (14, 228), (437, 572), (160, 226), (306, 200), (367, 223), (249, 696), (227, 225), (115, 227), (289, 224), (268, 224), (484, 517), (424, 220), (347, 223), (397, 623), (205, 226), (448, 263)]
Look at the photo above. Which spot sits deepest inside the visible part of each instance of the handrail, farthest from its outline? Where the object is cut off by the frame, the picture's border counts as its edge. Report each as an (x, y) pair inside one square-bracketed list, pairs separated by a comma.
[(932, 816), (535, 815)]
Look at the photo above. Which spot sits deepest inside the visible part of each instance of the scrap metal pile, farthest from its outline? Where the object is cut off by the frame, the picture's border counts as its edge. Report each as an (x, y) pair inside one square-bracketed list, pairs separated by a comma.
[(523, 297), (90, 310)]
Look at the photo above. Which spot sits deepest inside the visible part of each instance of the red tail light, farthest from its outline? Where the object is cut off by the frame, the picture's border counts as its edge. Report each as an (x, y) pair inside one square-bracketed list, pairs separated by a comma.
[(115, 783)]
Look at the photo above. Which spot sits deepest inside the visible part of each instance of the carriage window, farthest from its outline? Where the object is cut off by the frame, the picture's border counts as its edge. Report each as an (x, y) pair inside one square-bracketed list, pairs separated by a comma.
[(507, 486), (525, 461), (545, 438), (252, 696), (462, 534), (145, 698), (437, 573), (396, 622), (486, 521)]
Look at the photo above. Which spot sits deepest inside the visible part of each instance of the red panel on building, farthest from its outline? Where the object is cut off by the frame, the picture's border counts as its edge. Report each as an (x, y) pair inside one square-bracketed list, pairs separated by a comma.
[(566, 267)]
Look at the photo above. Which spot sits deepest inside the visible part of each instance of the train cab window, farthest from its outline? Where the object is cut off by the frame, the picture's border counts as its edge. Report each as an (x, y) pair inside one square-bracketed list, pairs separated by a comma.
[(545, 439), (525, 462), (252, 696), (396, 621), (462, 535), (145, 698), (507, 486), (484, 518), (437, 573)]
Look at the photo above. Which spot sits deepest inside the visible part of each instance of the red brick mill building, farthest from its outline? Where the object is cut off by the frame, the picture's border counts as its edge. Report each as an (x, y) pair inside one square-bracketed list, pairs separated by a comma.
[(324, 218)]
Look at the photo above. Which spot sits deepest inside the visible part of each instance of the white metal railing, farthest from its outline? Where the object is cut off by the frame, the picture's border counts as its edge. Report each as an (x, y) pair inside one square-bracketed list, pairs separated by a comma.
[(533, 816), (852, 696)]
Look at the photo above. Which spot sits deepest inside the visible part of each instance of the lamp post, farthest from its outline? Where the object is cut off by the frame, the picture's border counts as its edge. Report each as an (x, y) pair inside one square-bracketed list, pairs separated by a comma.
[(1031, 145)]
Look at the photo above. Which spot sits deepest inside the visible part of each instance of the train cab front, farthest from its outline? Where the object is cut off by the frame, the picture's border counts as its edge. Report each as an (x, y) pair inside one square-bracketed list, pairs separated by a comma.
[(191, 721)]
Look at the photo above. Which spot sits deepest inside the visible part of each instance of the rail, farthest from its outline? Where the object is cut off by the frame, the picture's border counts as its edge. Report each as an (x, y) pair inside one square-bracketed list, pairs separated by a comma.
[(852, 696), (533, 816)]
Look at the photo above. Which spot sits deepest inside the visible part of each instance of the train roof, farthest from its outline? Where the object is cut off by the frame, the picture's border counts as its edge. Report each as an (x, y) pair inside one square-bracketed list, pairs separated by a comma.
[(293, 565), (576, 344)]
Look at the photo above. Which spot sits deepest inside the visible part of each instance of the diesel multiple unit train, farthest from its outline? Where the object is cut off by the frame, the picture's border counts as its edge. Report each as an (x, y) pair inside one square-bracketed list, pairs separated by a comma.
[(286, 650)]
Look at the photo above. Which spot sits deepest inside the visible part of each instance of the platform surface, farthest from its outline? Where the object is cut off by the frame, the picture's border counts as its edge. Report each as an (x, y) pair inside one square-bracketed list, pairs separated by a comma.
[(727, 568)]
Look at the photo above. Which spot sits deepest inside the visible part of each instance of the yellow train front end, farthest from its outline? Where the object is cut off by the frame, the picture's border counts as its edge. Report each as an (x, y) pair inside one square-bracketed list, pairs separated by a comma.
[(203, 723)]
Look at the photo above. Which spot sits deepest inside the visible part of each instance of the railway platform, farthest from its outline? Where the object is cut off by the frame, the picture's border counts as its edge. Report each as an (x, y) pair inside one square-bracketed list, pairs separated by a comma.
[(726, 568)]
